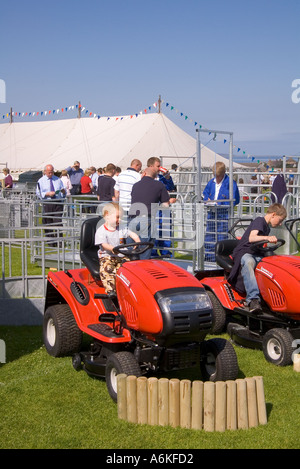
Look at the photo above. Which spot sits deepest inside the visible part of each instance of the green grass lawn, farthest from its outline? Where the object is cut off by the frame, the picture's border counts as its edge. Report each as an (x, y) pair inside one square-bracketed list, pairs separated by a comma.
[(45, 403)]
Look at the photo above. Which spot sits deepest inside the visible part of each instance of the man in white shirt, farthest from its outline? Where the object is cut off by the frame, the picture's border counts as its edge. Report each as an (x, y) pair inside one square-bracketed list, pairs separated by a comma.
[(94, 177), (125, 181), (50, 190)]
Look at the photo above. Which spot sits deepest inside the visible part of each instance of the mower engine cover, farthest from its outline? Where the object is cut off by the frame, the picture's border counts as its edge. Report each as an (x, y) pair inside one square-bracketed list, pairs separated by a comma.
[(278, 280), (161, 300)]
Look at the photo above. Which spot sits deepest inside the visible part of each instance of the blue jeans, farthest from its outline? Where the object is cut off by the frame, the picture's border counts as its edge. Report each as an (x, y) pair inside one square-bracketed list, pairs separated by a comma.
[(248, 265)]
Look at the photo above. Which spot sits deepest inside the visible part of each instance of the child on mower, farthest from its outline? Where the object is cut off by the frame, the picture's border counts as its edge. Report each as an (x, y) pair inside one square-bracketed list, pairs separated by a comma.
[(108, 236), (245, 260)]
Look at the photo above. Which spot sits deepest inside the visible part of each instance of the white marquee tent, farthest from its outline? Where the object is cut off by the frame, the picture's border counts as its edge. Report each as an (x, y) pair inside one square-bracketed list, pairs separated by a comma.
[(97, 142)]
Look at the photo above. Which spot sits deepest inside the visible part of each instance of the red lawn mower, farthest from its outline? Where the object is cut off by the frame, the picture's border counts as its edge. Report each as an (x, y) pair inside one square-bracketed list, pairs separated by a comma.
[(158, 322), (277, 328)]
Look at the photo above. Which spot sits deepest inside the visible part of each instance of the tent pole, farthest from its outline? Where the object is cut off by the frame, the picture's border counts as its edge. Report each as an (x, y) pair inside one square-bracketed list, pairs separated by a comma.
[(231, 175), (199, 175), (159, 104), (79, 110)]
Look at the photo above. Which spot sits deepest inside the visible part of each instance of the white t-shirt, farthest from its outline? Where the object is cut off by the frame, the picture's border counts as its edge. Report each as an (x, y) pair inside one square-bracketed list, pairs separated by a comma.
[(124, 184), (105, 236), (218, 187)]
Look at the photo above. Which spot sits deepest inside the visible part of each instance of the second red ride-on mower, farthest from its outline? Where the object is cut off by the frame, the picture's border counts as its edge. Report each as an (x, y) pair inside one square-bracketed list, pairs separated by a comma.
[(277, 328), (158, 322)]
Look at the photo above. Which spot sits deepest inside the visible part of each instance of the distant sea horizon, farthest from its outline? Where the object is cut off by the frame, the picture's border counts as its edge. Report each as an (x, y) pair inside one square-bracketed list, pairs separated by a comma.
[(253, 158)]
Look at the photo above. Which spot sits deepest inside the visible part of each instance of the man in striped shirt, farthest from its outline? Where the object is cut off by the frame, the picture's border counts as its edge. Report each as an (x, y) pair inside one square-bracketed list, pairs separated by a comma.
[(125, 181)]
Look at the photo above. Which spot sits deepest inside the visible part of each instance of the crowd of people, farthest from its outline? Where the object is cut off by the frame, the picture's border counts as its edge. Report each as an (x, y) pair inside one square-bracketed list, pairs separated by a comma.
[(109, 184), (136, 191)]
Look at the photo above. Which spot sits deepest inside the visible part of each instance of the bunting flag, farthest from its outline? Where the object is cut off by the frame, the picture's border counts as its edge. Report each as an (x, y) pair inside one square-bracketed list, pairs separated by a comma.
[(84, 112), (87, 113), (41, 113), (195, 123)]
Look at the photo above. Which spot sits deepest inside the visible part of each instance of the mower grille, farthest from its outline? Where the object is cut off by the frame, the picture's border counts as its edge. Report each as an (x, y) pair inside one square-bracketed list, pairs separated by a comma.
[(156, 273), (177, 272), (129, 312), (186, 324), (278, 300), (181, 357)]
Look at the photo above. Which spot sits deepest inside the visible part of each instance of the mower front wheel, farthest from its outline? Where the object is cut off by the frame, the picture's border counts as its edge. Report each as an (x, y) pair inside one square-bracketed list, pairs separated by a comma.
[(218, 360), (219, 314), (117, 363), (277, 347), (61, 334)]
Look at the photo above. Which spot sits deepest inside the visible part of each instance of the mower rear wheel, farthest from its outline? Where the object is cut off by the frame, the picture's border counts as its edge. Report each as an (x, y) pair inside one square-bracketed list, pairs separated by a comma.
[(61, 334), (277, 347), (117, 363), (218, 360), (219, 314)]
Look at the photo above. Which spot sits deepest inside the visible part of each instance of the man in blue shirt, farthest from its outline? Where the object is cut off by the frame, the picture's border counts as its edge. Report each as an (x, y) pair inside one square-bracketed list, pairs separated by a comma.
[(216, 194), (50, 190), (75, 174)]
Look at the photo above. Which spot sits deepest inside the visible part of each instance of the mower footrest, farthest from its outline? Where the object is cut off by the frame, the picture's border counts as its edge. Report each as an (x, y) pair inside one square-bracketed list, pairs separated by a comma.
[(244, 337), (104, 329)]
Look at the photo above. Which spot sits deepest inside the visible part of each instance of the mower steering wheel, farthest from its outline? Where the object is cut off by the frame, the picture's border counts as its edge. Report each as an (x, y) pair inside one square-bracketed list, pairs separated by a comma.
[(136, 250), (271, 247)]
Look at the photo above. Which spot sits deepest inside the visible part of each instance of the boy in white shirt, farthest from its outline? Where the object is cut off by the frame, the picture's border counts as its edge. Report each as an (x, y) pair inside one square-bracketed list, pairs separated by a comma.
[(108, 236)]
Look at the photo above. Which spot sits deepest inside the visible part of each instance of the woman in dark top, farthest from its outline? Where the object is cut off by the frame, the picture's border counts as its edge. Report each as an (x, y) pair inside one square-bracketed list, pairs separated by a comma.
[(106, 184)]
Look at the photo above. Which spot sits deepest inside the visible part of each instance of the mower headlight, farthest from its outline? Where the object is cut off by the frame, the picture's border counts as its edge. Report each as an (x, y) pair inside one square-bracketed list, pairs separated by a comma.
[(186, 301)]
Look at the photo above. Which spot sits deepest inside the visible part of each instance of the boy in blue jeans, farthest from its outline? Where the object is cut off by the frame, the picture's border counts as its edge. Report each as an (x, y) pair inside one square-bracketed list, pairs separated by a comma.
[(245, 260)]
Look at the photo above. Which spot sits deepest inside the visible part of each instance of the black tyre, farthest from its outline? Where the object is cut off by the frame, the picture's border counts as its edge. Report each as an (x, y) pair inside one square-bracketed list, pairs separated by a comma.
[(218, 360), (61, 334), (277, 347), (117, 363), (77, 362), (219, 314)]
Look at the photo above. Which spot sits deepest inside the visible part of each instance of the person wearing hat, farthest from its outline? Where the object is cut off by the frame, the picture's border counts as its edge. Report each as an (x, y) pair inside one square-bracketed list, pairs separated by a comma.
[(75, 174)]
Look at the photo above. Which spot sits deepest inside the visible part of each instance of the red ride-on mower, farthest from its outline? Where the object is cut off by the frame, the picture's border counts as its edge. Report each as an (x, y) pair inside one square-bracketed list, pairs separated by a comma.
[(157, 323), (278, 277)]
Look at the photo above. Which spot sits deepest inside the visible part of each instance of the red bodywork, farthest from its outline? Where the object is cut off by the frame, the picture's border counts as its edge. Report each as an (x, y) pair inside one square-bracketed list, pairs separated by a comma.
[(278, 280), (136, 284)]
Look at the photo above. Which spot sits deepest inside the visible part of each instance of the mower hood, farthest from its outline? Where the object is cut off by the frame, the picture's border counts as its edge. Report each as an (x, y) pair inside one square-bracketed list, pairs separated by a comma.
[(288, 264)]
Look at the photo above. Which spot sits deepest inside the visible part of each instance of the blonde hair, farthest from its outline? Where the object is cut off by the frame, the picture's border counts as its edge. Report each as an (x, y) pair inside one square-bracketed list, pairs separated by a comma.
[(219, 168), (87, 172), (111, 207)]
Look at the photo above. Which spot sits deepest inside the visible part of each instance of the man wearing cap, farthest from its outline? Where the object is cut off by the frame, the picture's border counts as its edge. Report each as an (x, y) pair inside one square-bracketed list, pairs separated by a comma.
[(75, 174)]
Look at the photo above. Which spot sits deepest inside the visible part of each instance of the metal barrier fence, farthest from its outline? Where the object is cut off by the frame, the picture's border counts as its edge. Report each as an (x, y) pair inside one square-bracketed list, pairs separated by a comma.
[(186, 232)]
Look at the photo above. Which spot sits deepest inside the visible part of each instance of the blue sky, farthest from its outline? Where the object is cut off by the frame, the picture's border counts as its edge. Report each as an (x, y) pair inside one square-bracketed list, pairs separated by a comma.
[(228, 65)]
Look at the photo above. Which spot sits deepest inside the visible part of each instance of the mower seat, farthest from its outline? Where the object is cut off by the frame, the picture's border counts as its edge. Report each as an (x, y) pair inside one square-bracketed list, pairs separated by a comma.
[(223, 251), (88, 249)]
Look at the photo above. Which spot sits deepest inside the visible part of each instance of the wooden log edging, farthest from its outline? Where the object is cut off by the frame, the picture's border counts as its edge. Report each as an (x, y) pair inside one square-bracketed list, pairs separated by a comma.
[(220, 406), (296, 362)]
